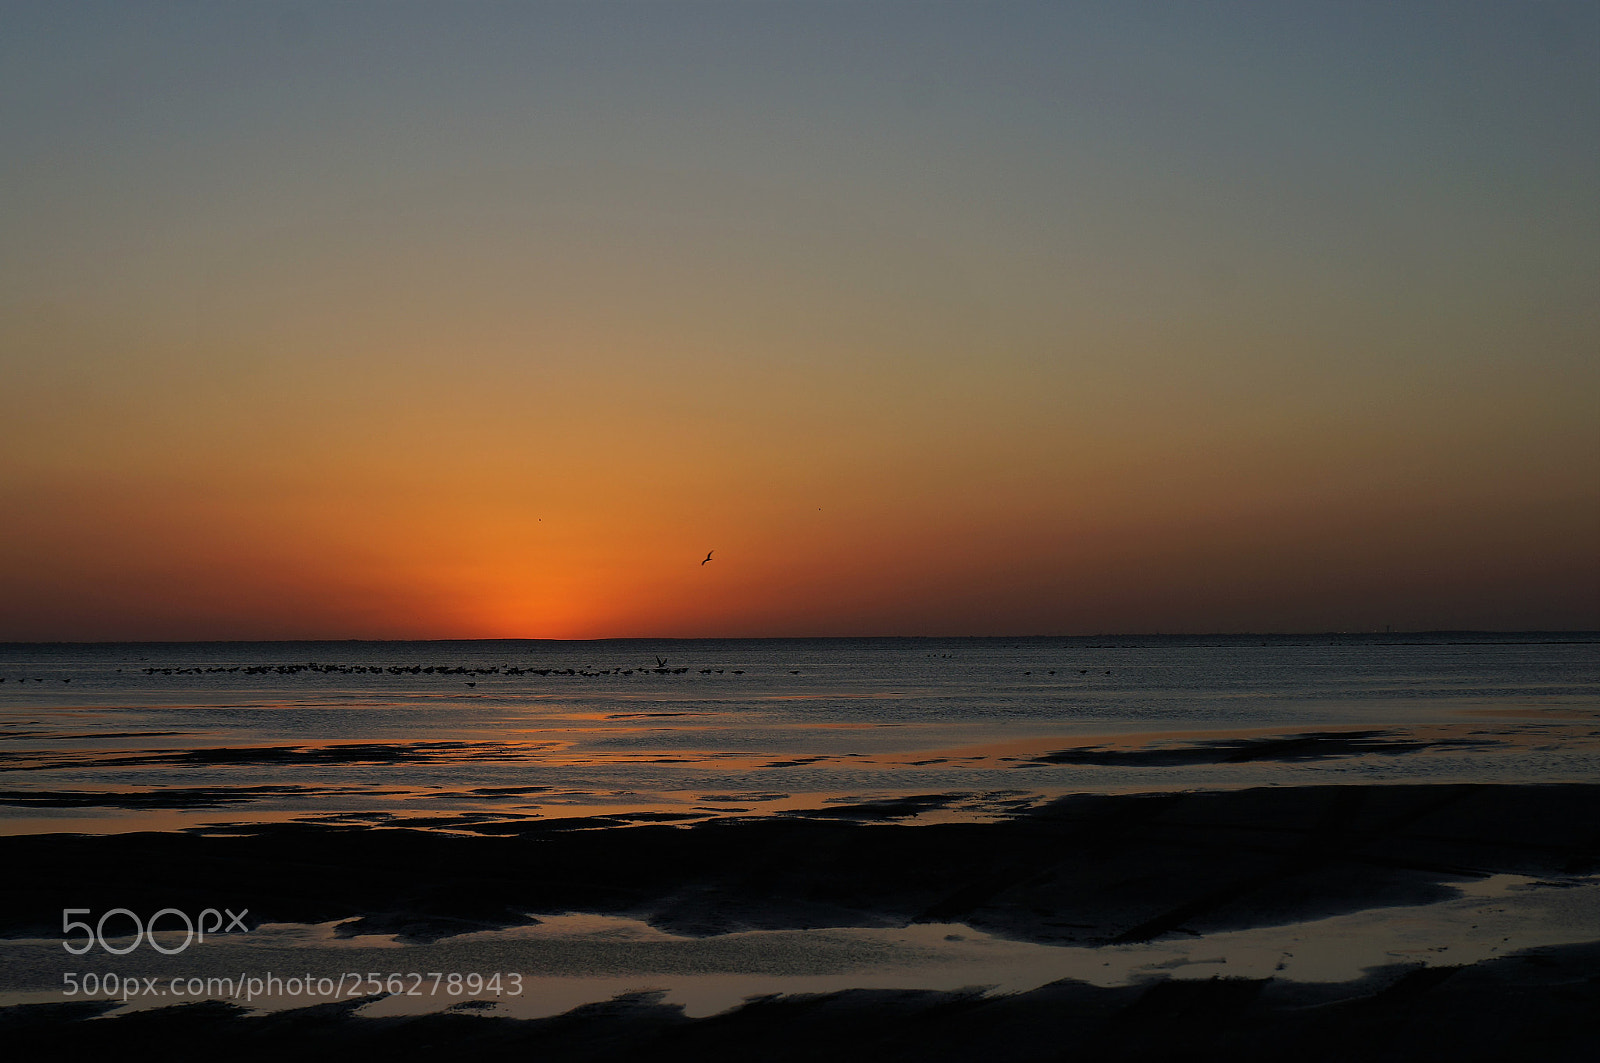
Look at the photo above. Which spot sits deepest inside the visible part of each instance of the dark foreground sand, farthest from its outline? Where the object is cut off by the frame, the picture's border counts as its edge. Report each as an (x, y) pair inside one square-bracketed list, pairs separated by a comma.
[(1085, 870), (1544, 1007)]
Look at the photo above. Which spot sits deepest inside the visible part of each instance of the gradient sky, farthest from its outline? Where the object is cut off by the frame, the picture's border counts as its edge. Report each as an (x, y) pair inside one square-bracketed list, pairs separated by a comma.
[(480, 319)]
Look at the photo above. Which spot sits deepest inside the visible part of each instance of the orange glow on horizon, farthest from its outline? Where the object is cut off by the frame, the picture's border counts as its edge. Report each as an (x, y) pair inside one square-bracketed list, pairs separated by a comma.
[(1170, 326)]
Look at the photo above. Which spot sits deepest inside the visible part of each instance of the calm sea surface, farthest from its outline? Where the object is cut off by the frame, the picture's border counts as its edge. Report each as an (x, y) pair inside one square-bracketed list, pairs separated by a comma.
[(110, 737)]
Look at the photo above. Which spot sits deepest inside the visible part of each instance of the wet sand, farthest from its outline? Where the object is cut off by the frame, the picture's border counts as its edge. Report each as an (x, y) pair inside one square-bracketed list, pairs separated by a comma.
[(1093, 870), (1536, 1007)]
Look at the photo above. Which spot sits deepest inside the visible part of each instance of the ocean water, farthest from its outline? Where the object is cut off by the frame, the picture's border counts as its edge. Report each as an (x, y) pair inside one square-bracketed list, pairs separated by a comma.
[(461, 735), (481, 739)]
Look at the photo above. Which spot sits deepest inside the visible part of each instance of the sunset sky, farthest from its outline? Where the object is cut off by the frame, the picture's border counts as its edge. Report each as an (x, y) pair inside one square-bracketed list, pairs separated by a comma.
[(450, 320)]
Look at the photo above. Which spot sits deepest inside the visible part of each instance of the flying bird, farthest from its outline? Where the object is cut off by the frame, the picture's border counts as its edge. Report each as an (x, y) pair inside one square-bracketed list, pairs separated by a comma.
[(708, 556)]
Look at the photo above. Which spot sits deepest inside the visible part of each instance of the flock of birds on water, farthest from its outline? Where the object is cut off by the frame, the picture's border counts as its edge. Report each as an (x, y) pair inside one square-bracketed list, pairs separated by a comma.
[(661, 668), (414, 669)]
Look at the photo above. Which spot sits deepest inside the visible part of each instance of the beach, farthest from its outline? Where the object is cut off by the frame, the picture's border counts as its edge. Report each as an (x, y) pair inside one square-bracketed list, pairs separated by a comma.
[(600, 532), (1289, 866)]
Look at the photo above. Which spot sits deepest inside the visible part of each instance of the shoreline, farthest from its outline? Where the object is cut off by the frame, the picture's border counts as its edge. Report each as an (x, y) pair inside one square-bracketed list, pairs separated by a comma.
[(1119, 868), (1540, 1005), (1087, 872)]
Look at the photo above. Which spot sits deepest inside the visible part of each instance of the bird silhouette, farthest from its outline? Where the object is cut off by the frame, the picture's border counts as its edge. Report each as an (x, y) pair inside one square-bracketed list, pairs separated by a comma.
[(708, 556)]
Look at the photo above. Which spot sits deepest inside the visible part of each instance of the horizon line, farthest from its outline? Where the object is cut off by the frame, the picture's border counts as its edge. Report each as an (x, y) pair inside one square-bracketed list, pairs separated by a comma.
[(1593, 632)]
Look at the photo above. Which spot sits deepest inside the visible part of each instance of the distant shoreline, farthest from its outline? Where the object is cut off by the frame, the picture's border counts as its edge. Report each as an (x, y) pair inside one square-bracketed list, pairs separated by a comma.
[(1466, 637)]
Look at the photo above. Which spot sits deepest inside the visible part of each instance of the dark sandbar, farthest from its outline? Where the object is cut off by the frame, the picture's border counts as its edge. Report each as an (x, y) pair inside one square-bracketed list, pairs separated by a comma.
[(1300, 747), (1084, 870)]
